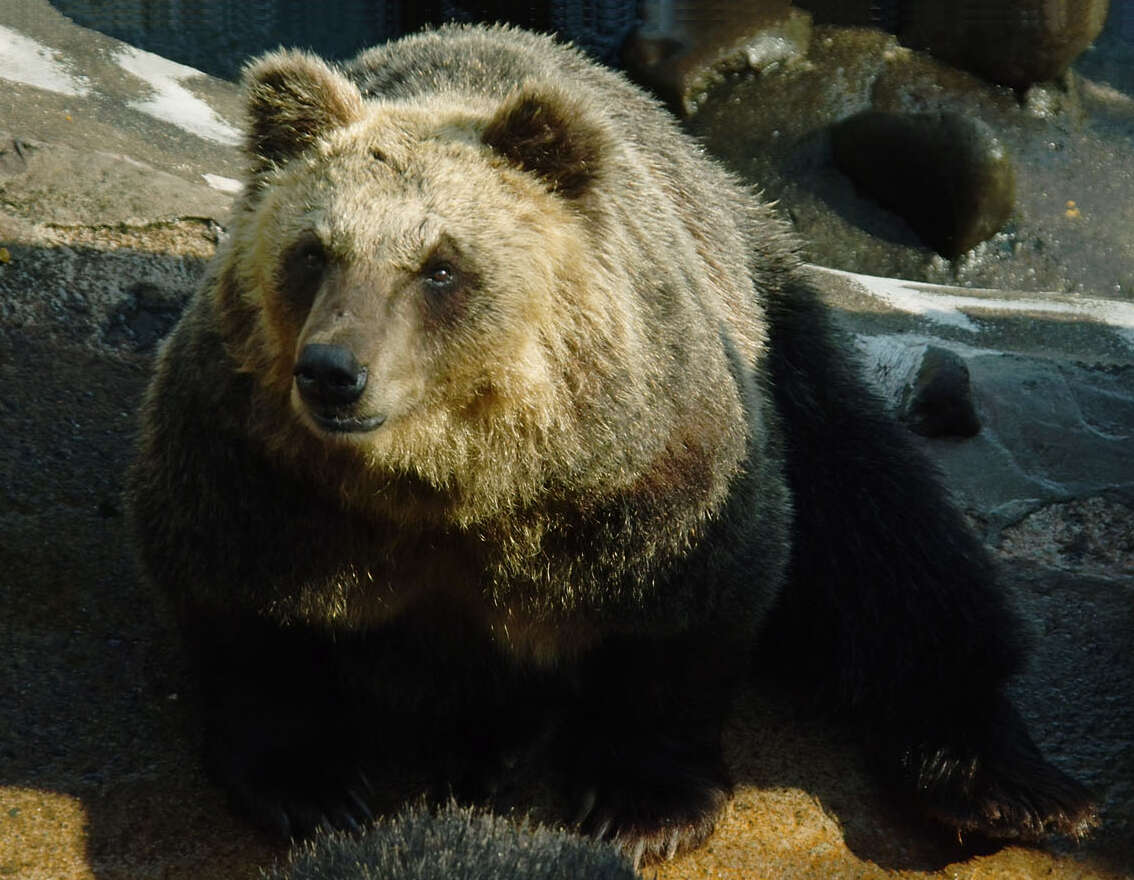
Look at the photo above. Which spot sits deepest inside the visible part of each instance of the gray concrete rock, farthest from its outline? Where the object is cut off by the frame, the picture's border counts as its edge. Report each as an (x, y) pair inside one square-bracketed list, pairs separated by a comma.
[(1052, 384), (54, 183), (95, 131)]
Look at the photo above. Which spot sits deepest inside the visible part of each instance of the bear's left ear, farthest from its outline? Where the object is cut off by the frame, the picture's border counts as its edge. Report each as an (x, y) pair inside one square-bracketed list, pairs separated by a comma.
[(293, 98), (552, 135)]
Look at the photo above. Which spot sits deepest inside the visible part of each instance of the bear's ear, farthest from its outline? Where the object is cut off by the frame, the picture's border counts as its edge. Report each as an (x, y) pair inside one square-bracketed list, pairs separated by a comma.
[(552, 135), (293, 98)]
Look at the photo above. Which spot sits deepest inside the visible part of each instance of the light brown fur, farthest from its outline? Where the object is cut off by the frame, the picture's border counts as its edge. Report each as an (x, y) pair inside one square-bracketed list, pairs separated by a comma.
[(556, 395)]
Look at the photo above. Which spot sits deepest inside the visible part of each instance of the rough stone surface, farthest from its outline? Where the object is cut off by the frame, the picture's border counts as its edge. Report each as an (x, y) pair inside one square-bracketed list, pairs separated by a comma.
[(59, 184), (1014, 42), (100, 776), (948, 176), (682, 54), (1093, 535), (1074, 203)]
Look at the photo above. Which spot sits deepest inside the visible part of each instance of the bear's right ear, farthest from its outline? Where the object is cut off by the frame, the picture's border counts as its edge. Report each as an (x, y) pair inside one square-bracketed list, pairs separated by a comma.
[(293, 98)]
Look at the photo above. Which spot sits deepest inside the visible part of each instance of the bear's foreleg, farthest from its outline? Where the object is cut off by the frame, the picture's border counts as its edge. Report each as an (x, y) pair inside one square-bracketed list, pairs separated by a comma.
[(283, 736), (642, 748)]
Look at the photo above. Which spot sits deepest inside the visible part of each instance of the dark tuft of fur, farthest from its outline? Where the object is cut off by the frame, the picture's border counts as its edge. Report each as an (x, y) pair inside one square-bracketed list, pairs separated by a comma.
[(453, 844), (543, 132)]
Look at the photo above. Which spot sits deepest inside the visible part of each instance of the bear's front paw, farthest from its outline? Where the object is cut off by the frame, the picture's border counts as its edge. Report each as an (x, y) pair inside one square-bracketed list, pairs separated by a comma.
[(293, 792), (652, 806)]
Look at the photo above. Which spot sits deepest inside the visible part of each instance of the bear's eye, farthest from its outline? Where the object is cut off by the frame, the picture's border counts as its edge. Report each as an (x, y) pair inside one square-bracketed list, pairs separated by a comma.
[(440, 277), (310, 257), (302, 269)]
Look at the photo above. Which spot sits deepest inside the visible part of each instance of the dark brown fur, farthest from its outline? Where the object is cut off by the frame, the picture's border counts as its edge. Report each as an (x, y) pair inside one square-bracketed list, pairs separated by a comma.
[(559, 512)]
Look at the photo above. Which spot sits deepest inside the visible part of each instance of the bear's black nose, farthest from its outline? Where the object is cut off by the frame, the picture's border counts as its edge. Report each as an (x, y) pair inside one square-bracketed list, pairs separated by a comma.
[(329, 375)]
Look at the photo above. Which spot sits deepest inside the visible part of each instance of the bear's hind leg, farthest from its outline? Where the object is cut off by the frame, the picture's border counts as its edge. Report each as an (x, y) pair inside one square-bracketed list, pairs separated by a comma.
[(892, 613), (989, 778)]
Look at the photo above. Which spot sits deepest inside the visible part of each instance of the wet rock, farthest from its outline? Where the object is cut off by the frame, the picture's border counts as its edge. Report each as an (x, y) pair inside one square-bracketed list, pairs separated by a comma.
[(774, 129), (939, 401), (682, 53), (1013, 42), (881, 14), (949, 177)]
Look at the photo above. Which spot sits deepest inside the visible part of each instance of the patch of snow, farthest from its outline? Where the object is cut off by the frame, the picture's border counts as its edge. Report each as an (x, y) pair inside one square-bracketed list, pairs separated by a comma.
[(171, 101), (946, 305), (23, 60), (224, 184)]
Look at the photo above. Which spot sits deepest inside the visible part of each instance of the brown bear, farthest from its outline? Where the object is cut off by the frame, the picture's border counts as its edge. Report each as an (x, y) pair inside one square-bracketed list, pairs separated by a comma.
[(507, 423)]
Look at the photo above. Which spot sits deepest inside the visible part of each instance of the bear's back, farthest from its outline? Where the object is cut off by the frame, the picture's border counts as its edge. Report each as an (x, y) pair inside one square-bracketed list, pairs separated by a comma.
[(492, 63)]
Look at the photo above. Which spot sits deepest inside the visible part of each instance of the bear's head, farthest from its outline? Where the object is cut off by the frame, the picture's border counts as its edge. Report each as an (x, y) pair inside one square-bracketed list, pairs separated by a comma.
[(423, 287)]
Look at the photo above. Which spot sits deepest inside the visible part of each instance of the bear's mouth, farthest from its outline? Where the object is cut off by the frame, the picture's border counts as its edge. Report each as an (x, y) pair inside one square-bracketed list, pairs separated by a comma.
[(343, 424)]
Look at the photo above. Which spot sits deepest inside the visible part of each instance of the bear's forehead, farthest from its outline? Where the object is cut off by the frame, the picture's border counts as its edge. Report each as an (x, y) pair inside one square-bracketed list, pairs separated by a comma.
[(388, 218), (375, 182), (380, 163), (395, 182), (398, 133), (411, 200)]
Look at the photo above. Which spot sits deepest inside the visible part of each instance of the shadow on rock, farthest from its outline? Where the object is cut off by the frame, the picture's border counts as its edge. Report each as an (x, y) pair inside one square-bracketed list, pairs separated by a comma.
[(94, 687)]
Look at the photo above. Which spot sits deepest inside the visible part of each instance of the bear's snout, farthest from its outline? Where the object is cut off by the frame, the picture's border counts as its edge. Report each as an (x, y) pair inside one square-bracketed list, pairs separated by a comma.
[(330, 380), (329, 375)]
